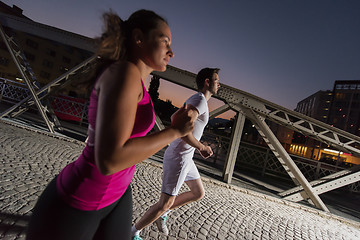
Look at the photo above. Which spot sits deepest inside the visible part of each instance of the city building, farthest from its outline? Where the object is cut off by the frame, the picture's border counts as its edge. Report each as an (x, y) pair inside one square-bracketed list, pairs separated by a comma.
[(344, 111), (316, 106), (48, 59), (340, 108)]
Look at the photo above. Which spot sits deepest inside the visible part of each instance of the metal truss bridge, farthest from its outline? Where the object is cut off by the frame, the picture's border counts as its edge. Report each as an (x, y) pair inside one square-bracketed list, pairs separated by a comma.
[(246, 105)]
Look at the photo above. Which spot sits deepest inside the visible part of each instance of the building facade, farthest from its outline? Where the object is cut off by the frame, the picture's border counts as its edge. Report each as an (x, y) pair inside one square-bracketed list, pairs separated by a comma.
[(345, 106), (48, 59), (316, 106), (339, 107)]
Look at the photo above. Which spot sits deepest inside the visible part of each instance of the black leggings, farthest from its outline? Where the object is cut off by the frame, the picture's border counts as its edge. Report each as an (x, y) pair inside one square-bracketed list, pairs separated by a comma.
[(54, 219)]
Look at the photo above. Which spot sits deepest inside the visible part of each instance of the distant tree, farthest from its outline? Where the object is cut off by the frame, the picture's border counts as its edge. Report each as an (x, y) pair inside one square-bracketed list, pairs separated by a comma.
[(154, 89), (166, 109)]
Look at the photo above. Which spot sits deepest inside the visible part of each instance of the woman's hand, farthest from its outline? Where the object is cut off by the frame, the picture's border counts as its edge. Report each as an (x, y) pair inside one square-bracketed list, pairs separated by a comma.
[(183, 120)]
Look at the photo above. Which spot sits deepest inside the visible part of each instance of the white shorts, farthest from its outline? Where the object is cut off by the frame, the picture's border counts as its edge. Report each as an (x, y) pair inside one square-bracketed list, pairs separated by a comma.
[(176, 171)]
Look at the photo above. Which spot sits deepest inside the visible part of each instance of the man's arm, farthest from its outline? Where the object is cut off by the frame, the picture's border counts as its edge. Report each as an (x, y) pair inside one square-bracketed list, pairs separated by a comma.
[(205, 151)]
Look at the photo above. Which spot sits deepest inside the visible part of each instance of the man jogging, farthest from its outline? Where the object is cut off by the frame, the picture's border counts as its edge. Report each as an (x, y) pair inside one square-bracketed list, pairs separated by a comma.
[(178, 164)]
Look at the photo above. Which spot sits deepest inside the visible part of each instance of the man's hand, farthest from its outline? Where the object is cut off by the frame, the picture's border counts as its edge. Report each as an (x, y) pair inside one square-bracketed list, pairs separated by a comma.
[(206, 152)]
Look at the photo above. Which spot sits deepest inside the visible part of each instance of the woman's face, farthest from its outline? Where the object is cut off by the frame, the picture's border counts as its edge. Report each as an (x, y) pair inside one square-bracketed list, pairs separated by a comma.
[(157, 50)]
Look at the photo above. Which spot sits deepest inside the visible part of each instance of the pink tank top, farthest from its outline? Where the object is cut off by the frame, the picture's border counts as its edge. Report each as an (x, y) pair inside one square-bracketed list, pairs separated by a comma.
[(81, 184)]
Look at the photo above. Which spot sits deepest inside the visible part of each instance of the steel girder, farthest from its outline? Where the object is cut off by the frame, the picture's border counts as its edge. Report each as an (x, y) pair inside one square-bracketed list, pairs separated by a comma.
[(26, 73), (253, 107), (234, 147), (284, 158), (337, 179), (257, 110), (47, 32), (296, 121), (46, 90), (320, 131)]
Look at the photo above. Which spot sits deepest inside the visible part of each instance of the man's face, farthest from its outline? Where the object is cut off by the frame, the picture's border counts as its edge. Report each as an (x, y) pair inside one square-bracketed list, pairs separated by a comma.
[(214, 84)]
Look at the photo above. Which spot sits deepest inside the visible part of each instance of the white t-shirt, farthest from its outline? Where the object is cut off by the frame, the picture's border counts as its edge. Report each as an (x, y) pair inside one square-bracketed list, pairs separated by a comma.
[(179, 147)]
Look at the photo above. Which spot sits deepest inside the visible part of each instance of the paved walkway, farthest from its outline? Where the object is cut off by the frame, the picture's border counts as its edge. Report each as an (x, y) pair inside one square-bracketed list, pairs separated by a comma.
[(29, 159)]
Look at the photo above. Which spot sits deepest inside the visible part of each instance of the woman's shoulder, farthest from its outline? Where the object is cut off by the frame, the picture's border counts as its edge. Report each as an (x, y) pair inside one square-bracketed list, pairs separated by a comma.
[(123, 67), (121, 71)]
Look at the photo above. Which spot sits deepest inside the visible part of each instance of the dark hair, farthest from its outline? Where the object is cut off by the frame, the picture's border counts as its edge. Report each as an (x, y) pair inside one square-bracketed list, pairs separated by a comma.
[(115, 42), (204, 74)]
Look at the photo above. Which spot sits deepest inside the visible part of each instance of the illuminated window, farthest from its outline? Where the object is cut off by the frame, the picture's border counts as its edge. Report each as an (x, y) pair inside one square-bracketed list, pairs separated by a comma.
[(340, 95)]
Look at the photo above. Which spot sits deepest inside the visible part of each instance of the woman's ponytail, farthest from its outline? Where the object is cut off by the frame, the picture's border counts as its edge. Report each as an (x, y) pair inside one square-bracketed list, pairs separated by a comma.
[(114, 43), (111, 44)]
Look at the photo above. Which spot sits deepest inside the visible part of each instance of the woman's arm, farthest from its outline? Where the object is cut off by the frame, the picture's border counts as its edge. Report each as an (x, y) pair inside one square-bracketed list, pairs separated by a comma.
[(118, 96)]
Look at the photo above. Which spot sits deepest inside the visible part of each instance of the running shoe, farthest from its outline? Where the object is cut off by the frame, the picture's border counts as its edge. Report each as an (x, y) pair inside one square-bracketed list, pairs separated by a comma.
[(161, 225), (137, 237)]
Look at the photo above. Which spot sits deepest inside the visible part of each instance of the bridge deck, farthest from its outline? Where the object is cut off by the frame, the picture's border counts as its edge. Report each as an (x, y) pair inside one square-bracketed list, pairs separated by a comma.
[(29, 159)]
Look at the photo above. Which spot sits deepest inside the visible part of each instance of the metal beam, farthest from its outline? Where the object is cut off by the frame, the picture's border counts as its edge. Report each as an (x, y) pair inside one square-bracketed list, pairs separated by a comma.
[(322, 180), (256, 109), (326, 187), (158, 123), (47, 32), (15, 54), (338, 138), (24, 104), (284, 157), (234, 147), (219, 110)]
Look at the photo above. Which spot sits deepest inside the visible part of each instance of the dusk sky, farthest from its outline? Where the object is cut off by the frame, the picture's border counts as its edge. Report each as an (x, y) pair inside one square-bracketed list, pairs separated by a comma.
[(280, 50)]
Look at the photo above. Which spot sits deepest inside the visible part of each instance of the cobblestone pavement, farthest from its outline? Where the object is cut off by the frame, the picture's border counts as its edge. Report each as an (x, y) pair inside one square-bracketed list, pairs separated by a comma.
[(29, 159)]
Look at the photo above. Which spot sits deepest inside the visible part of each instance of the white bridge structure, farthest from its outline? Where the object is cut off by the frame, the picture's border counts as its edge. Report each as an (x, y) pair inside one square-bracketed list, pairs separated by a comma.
[(246, 105)]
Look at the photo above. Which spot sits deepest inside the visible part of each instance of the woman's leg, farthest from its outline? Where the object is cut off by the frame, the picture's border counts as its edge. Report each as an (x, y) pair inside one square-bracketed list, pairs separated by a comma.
[(53, 219), (117, 223)]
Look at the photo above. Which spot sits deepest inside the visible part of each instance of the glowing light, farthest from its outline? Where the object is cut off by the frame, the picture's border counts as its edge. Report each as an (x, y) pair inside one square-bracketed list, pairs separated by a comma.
[(332, 151)]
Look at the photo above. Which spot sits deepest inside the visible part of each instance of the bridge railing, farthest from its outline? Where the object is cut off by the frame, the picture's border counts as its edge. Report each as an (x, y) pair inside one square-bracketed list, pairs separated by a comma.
[(12, 91), (250, 157), (65, 107), (261, 160), (246, 106)]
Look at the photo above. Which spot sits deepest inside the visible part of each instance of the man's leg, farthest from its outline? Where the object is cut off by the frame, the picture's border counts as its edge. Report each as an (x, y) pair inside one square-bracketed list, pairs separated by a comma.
[(155, 211), (196, 193)]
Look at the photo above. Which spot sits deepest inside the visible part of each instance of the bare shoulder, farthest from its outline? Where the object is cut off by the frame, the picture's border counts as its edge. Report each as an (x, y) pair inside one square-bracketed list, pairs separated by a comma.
[(124, 67), (118, 75)]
